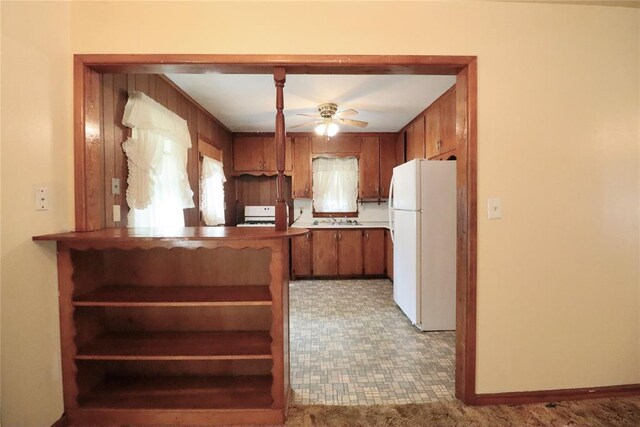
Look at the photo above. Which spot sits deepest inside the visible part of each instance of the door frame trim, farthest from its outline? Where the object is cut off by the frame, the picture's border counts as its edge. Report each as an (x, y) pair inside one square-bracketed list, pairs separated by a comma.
[(88, 137)]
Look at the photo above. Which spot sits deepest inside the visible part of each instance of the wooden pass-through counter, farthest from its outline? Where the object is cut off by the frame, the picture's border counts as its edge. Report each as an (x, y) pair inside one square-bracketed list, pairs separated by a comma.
[(175, 327)]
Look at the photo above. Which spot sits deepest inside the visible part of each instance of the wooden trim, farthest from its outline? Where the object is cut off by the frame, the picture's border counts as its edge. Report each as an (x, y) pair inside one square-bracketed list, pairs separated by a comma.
[(79, 163), (193, 101), (264, 64), (209, 149), (466, 247), (310, 134), (523, 397), (462, 66)]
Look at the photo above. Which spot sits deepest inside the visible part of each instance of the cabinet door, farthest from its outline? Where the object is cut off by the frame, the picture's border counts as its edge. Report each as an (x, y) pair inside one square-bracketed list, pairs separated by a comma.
[(448, 122), (269, 154), (373, 244), (369, 168), (400, 148), (288, 155), (302, 167), (319, 144), (388, 254), (433, 130), (301, 255), (387, 163), (344, 144), (418, 138), (409, 144), (247, 153), (325, 251), (350, 252)]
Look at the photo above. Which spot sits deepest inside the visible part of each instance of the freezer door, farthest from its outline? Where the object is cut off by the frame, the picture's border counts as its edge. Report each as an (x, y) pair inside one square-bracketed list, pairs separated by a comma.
[(406, 269), (406, 186)]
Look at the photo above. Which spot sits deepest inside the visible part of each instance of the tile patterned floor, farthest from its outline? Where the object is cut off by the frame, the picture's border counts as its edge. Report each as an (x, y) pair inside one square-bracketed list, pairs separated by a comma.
[(351, 345)]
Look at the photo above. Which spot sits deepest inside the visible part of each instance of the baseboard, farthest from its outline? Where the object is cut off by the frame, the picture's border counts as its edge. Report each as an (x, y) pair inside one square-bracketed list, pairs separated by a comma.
[(62, 421), (515, 398)]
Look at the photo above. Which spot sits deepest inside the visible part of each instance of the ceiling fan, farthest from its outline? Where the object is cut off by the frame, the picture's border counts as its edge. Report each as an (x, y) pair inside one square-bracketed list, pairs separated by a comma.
[(329, 118)]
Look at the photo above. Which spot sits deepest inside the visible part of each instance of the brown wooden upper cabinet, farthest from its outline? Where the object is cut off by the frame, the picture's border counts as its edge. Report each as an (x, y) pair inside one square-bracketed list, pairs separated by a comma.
[(377, 160), (256, 155), (369, 168), (301, 185), (339, 144), (388, 161), (441, 126), (414, 134)]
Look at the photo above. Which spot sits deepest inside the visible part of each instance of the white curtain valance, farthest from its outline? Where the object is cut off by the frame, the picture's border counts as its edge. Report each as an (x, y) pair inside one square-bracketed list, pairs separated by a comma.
[(158, 185), (143, 113)]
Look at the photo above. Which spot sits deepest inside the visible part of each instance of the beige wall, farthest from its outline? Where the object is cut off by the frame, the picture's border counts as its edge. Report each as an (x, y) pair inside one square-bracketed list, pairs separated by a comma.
[(559, 100), (36, 150)]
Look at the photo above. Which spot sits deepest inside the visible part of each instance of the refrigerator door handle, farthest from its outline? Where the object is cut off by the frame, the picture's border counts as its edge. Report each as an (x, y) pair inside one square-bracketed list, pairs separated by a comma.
[(390, 207)]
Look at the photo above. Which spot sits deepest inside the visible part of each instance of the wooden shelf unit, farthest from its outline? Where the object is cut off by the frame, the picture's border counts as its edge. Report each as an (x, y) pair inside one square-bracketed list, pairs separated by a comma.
[(175, 330)]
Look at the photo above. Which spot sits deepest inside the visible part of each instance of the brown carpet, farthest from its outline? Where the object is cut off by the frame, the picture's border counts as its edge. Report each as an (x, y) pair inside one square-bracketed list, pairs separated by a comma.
[(593, 413)]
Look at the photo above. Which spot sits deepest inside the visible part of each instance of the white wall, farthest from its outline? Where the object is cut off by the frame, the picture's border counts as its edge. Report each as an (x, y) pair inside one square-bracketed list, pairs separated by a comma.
[(559, 100), (37, 149)]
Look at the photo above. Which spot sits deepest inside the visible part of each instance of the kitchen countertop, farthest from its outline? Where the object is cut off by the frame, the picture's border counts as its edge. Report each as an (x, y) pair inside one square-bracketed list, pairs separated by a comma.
[(361, 224)]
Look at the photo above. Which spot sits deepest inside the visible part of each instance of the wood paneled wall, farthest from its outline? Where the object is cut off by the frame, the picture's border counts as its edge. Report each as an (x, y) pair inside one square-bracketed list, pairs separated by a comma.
[(260, 191), (115, 88)]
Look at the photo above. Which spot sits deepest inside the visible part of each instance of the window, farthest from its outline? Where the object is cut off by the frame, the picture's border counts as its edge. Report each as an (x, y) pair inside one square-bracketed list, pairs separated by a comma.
[(157, 186), (335, 185), (212, 191)]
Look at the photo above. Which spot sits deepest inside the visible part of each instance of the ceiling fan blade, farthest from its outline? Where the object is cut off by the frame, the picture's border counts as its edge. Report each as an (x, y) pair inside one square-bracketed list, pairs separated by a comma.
[(315, 116), (358, 123), (347, 113), (305, 124)]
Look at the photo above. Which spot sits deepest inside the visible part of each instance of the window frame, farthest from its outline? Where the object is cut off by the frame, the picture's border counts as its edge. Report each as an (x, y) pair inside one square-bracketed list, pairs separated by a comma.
[(316, 214)]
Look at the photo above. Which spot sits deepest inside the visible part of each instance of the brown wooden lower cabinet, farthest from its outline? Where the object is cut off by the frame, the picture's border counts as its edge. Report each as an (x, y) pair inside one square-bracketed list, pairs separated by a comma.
[(373, 245), (301, 255), (174, 330), (350, 252), (324, 253), (339, 252)]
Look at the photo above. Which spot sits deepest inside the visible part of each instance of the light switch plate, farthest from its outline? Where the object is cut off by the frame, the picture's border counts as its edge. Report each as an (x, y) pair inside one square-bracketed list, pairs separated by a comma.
[(115, 186), (494, 206), (116, 213)]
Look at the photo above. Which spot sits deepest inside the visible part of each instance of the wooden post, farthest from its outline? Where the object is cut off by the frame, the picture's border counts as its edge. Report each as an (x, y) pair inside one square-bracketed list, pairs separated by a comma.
[(279, 76)]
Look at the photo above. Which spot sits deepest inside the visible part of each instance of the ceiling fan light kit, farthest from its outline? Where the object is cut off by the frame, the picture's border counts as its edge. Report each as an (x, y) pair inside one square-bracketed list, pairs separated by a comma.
[(328, 122), (327, 128)]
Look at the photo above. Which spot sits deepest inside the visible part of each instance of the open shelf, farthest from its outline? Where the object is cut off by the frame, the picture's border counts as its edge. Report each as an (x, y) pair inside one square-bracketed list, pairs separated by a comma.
[(220, 392), (227, 345), (174, 296)]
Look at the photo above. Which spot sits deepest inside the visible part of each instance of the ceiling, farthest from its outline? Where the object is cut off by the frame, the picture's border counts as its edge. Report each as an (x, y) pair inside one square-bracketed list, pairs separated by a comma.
[(246, 102)]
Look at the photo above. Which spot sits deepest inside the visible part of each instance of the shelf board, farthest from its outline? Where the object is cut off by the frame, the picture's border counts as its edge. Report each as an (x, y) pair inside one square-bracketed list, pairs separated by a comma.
[(241, 392), (174, 296), (223, 345)]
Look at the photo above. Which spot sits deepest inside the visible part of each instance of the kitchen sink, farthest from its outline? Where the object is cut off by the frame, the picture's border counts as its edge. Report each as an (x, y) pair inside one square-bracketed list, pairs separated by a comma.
[(341, 222)]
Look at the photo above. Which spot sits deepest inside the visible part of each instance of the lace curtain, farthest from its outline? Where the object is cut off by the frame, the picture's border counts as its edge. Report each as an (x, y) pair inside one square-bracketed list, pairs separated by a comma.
[(212, 191), (335, 184), (157, 186)]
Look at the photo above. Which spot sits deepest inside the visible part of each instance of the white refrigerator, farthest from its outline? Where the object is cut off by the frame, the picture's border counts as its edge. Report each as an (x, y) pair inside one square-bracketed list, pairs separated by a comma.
[(422, 217)]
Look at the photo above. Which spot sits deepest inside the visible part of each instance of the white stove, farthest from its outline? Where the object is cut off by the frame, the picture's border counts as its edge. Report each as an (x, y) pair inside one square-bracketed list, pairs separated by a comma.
[(259, 216)]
